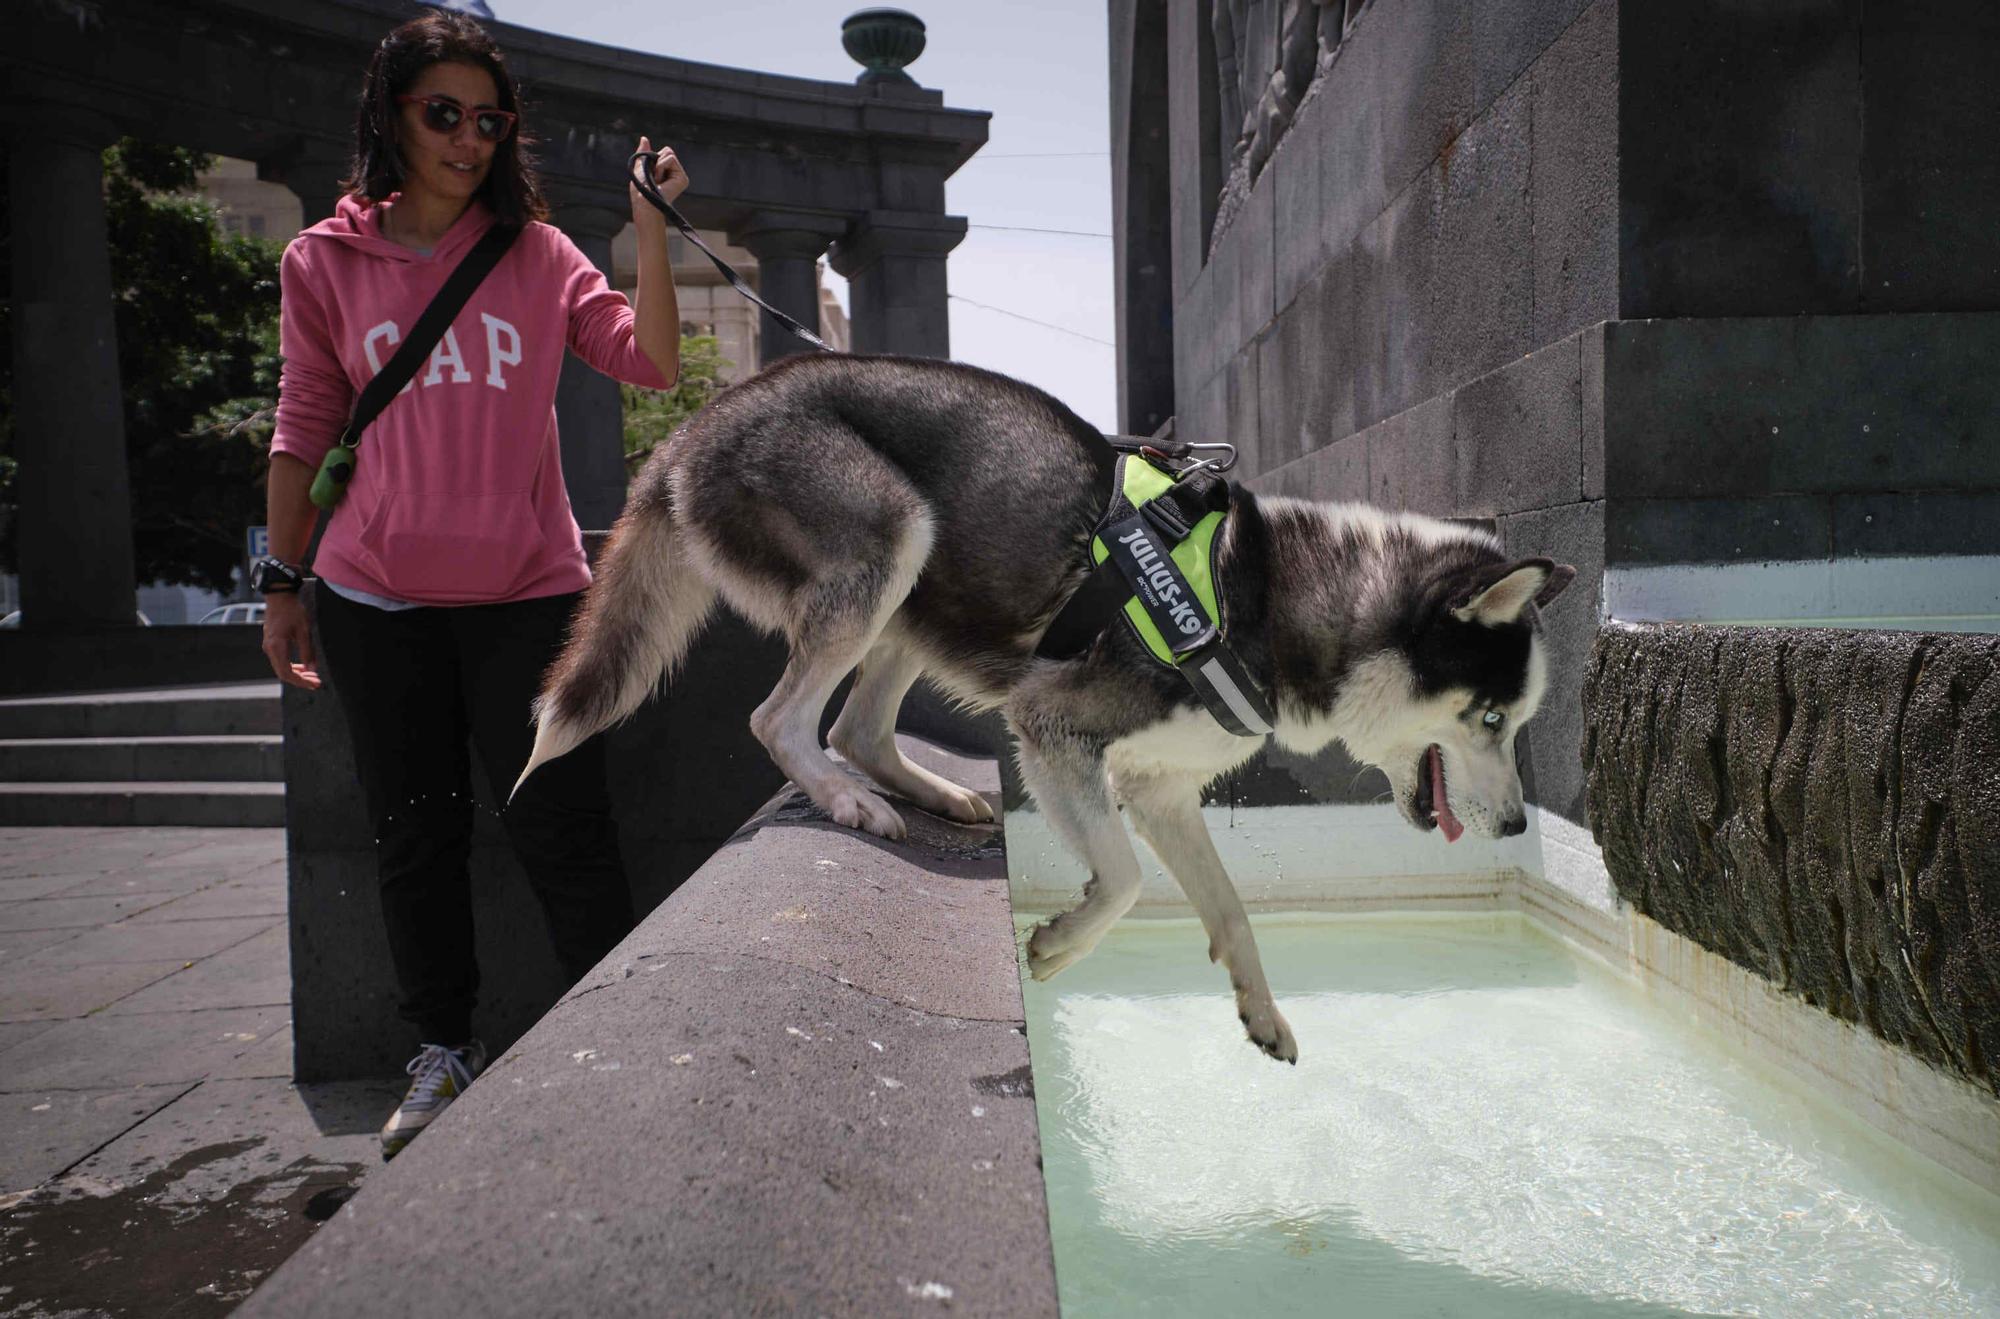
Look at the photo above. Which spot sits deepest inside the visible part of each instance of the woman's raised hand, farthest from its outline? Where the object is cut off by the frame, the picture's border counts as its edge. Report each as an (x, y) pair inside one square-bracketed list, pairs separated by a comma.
[(669, 176)]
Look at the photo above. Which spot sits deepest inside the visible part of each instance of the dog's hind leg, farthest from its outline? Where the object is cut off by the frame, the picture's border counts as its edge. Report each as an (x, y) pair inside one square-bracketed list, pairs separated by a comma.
[(865, 733), (838, 618), (1067, 778), (1166, 812)]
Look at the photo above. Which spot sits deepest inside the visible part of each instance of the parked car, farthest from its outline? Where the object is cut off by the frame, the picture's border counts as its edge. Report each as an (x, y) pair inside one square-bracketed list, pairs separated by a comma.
[(239, 613), (14, 619)]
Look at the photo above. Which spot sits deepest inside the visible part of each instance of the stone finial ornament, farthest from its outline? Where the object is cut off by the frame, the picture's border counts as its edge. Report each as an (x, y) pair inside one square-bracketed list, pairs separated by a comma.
[(884, 40)]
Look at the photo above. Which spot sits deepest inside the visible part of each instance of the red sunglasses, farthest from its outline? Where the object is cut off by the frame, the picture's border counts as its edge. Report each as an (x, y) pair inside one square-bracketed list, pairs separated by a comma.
[(443, 115)]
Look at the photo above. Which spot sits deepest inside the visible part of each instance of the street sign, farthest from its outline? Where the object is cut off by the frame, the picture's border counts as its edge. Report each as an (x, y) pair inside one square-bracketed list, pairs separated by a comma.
[(256, 544)]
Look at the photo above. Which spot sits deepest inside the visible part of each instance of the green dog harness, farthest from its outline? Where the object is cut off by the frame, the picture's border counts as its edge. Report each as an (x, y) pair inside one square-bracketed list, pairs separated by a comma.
[(1155, 552)]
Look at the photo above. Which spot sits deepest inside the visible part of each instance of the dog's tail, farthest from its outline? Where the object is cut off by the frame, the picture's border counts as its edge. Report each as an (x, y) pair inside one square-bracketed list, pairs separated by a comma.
[(631, 631)]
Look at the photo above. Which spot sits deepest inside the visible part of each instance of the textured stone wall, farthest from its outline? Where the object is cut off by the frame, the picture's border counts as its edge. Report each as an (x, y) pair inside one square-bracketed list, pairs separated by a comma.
[(1632, 284), (1821, 807)]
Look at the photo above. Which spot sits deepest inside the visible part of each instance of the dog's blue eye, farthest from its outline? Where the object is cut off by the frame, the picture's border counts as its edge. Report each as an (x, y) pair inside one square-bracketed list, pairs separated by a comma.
[(1493, 719)]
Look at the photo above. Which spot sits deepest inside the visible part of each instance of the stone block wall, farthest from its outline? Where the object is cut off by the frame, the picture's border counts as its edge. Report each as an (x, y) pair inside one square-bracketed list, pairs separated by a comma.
[(1397, 311), (1519, 451), (1630, 284), (1815, 158), (1439, 174), (1821, 807), (1801, 437)]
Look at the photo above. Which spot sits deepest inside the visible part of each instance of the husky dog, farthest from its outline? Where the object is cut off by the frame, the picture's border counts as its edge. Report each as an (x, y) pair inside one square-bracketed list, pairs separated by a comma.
[(901, 516)]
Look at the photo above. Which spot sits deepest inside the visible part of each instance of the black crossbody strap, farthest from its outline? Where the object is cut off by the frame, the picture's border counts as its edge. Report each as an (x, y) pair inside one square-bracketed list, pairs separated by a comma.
[(466, 276), (430, 328)]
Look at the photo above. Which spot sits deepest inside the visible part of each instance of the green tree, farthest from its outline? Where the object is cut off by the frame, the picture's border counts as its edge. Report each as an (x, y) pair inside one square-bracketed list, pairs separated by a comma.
[(197, 321), (653, 415)]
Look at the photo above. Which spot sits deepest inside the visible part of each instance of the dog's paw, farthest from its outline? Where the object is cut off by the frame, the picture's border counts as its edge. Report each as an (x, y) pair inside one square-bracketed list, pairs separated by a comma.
[(1267, 1028), (1051, 948), (859, 809), (964, 806), (942, 797)]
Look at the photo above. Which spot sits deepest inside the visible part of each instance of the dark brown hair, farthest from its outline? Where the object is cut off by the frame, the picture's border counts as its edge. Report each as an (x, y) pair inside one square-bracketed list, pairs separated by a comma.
[(440, 37)]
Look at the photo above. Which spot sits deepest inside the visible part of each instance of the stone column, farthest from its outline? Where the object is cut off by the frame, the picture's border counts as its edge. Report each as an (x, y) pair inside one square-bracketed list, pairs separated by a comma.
[(894, 263), (589, 413), (75, 505), (787, 248), (313, 171)]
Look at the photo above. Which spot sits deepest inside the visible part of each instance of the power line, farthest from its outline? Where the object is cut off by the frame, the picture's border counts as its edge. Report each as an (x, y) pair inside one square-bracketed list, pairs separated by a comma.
[(1047, 325), (1029, 229), (1037, 155)]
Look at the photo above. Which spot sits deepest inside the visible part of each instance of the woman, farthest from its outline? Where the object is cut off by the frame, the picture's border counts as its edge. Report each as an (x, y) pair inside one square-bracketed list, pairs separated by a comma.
[(451, 566)]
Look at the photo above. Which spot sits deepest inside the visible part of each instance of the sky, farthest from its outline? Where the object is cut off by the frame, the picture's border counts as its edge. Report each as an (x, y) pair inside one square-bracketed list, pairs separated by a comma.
[(1040, 67)]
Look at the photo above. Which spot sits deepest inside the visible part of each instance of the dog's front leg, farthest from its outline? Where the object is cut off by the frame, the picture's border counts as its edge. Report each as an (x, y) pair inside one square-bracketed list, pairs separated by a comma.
[(1167, 814), (1067, 779)]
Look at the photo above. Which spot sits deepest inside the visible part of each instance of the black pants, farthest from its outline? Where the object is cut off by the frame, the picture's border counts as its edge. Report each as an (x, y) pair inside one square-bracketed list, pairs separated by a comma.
[(415, 684)]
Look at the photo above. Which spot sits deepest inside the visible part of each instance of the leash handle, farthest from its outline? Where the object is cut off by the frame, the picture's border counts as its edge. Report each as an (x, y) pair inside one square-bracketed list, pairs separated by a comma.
[(642, 179)]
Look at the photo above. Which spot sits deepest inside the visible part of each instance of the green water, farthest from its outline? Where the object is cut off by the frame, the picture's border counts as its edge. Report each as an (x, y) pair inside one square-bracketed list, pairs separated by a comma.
[(1480, 1124)]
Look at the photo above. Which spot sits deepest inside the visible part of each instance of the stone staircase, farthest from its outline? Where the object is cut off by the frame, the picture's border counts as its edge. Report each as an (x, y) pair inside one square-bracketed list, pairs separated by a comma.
[(179, 755)]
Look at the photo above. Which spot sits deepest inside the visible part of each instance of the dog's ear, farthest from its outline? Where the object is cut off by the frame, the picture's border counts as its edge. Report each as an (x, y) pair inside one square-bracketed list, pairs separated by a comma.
[(1497, 595), (1562, 576)]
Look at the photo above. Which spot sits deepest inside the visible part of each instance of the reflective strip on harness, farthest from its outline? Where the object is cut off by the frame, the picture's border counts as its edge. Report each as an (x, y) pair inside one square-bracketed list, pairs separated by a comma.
[(1222, 685)]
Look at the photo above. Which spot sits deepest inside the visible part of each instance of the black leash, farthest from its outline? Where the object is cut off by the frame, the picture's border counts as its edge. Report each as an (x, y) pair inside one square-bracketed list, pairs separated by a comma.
[(1198, 489), (642, 179)]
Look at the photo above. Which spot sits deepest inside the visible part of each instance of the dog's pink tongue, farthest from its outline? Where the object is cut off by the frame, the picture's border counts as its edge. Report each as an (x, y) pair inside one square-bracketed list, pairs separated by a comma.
[(1446, 820)]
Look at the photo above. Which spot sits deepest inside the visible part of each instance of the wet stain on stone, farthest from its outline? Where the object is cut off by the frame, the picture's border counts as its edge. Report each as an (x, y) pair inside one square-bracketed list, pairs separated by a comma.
[(1017, 1084), (982, 852), (78, 1245)]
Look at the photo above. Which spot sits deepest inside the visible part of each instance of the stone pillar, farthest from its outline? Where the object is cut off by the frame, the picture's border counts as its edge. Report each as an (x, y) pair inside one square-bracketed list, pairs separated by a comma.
[(787, 248), (589, 412), (75, 504), (894, 263), (313, 171)]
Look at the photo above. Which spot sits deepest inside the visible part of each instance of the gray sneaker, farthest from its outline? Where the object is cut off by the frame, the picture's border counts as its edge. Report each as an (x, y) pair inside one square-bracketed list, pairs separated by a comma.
[(441, 1076)]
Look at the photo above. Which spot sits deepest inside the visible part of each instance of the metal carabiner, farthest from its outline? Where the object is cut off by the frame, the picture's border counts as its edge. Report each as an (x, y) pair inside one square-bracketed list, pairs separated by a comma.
[(1220, 465), (1169, 459)]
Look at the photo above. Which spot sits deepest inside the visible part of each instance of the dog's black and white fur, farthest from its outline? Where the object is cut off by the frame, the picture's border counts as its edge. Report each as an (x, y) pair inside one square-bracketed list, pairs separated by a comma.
[(909, 517)]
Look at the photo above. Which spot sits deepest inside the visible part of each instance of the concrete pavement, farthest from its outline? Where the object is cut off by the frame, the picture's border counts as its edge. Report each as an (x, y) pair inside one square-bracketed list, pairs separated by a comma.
[(155, 1158)]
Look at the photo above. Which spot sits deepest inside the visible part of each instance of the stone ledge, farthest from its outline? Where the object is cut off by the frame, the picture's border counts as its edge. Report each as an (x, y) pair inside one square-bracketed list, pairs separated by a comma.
[(44, 662), (799, 1087)]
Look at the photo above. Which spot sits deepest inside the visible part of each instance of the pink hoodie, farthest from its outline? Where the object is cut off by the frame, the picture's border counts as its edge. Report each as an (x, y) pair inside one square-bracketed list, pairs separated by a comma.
[(458, 493)]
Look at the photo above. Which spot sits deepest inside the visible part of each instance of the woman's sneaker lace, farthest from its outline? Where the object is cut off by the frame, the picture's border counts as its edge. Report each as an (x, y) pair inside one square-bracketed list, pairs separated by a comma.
[(441, 1075)]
